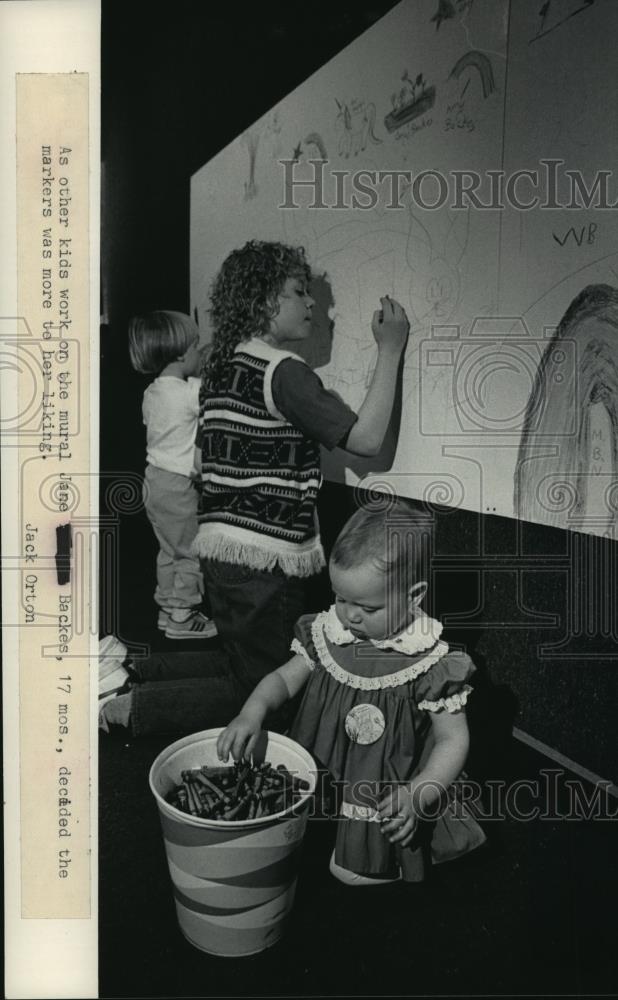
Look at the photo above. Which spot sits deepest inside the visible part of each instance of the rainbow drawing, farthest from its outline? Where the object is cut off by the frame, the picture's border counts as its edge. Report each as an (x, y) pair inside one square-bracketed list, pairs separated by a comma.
[(480, 62)]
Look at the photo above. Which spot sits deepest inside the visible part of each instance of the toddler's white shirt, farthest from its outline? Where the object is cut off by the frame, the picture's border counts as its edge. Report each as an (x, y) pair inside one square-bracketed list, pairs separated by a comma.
[(170, 410)]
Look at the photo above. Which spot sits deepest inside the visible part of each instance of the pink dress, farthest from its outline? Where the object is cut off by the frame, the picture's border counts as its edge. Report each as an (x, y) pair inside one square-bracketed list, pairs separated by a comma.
[(365, 716)]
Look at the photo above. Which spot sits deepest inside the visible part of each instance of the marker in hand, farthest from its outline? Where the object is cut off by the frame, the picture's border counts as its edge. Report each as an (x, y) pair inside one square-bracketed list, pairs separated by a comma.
[(390, 325), (381, 311)]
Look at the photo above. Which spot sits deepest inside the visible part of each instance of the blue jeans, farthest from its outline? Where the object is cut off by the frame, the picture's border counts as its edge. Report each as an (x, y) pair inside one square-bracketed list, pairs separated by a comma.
[(255, 612), (183, 692)]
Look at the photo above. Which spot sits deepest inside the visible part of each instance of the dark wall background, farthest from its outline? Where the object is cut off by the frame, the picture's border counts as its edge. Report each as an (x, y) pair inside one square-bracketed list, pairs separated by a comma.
[(535, 607)]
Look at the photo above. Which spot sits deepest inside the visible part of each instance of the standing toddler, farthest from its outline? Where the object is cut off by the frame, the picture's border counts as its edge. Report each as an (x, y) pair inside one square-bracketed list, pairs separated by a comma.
[(383, 707), (165, 344)]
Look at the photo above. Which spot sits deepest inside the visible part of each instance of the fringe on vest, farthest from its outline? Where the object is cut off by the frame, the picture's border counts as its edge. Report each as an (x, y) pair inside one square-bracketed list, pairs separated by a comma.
[(212, 543)]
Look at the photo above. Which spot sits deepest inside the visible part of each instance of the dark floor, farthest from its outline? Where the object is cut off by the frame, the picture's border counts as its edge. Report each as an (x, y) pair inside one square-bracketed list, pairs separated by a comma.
[(532, 912)]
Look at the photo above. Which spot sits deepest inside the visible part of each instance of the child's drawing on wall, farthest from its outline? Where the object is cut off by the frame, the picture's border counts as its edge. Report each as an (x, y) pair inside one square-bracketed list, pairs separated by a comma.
[(314, 146), (445, 12), (435, 286), (567, 464), (554, 13), (481, 64), (356, 126), (251, 141), (410, 102), (470, 83)]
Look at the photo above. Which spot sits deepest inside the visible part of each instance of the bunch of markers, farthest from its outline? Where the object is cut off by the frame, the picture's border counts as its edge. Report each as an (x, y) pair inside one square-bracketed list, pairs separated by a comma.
[(243, 791)]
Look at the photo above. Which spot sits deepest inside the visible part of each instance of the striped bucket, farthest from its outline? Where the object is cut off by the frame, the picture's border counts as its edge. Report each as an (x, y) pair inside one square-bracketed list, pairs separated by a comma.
[(233, 882)]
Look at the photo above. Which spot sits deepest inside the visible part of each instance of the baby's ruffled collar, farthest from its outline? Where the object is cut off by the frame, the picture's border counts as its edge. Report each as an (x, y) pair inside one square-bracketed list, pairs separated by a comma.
[(422, 633), (335, 631)]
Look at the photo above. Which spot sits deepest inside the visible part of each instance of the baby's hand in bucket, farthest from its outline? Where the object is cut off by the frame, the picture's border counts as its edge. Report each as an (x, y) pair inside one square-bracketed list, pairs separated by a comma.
[(240, 737), (397, 816)]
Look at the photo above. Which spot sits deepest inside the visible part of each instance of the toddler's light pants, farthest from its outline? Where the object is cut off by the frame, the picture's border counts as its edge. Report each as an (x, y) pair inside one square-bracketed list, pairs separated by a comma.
[(171, 504)]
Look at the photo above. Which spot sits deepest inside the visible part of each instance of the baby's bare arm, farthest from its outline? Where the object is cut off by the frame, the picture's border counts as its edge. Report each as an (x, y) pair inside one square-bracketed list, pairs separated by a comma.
[(273, 690), (401, 808), (447, 758)]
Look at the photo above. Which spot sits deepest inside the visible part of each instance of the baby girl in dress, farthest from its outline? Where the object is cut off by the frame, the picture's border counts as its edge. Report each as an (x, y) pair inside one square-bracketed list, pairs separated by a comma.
[(383, 707)]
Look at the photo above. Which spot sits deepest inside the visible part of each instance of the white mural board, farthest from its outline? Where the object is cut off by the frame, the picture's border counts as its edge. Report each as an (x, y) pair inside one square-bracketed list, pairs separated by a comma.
[(477, 86)]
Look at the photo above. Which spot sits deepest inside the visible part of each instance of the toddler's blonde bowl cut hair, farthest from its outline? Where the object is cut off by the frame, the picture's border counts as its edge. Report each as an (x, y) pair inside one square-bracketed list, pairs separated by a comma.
[(158, 338)]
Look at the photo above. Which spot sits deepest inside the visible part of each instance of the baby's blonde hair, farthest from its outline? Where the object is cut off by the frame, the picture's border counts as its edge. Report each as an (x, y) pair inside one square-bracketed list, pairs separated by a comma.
[(158, 338), (396, 538)]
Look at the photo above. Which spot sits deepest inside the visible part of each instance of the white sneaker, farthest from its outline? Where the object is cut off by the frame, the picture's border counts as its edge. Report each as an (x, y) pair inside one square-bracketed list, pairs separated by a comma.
[(194, 626), (112, 674), (353, 878)]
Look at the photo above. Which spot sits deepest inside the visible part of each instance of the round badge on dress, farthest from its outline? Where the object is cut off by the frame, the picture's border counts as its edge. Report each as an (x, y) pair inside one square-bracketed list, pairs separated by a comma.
[(364, 724)]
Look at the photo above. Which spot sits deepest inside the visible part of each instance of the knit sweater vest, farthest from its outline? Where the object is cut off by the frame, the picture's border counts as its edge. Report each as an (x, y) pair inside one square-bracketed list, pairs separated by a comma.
[(260, 474)]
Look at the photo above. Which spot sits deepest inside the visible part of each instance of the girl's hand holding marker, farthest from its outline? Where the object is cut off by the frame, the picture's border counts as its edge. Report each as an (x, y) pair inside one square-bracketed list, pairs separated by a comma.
[(390, 325), (390, 329)]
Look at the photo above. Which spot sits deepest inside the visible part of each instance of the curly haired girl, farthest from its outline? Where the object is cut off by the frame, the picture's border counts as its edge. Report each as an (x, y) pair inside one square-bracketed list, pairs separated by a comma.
[(263, 416)]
